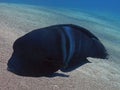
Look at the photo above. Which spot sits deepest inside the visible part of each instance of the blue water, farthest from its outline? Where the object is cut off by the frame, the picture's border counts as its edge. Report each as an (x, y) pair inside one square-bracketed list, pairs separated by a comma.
[(109, 8), (112, 6)]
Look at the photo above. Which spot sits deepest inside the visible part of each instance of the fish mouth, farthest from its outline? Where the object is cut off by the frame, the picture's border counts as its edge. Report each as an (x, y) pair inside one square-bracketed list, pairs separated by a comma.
[(15, 65), (13, 69), (19, 67), (18, 71)]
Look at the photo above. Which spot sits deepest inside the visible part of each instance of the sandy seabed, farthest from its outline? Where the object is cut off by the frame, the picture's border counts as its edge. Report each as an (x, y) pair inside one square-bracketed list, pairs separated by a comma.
[(17, 20)]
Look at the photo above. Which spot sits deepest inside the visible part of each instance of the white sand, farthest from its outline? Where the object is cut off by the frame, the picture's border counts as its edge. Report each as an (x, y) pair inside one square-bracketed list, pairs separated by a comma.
[(16, 20)]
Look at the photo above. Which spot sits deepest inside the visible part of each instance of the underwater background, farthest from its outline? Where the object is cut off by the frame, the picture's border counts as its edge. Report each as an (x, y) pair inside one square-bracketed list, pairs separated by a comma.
[(110, 6), (101, 17), (107, 8)]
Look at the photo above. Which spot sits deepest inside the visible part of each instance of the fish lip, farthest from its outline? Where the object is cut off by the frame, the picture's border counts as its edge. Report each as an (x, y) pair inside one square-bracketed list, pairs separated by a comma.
[(12, 70), (12, 65), (15, 71), (9, 69)]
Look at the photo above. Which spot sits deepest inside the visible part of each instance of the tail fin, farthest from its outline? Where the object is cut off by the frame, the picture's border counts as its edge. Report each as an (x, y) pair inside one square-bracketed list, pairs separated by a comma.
[(99, 49)]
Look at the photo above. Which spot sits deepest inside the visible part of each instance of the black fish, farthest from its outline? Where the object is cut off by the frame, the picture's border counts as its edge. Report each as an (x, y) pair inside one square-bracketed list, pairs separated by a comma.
[(46, 50)]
